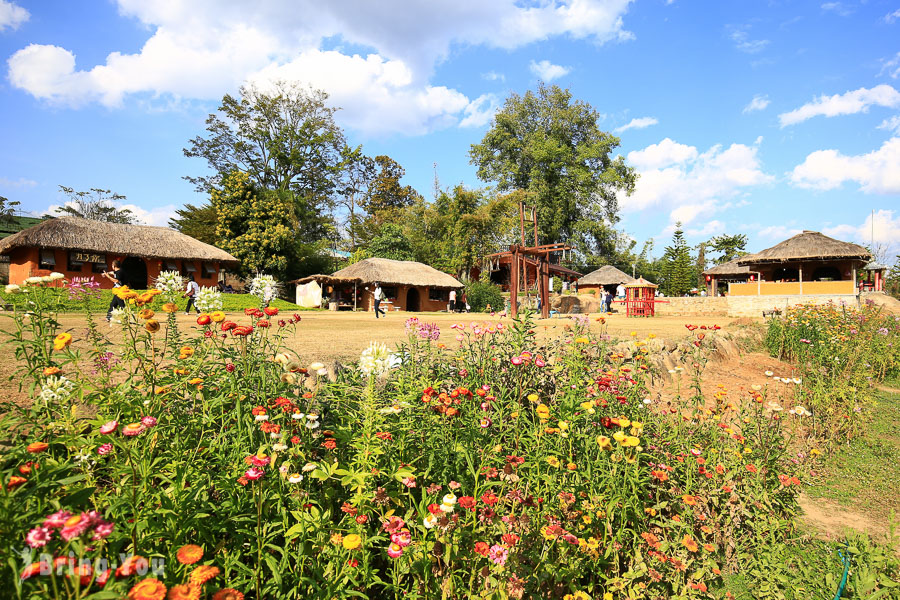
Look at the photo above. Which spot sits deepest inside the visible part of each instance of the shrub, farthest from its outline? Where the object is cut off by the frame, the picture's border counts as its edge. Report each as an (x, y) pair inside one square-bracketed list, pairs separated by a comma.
[(480, 294)]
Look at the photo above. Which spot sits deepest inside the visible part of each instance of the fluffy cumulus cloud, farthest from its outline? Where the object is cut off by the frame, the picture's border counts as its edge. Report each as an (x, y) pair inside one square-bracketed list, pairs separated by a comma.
[(877, 172), (11, 15), (891, 124), (158, 216), (692, 185), (200, 49), (547, 71), (758, 103), (885, 232), (849, 103), (639, 123)]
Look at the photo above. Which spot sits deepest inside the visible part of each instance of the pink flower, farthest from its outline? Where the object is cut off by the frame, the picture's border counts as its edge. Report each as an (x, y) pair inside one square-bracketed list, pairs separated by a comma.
[(104, 449), (486, 387), (402, 538), (254, 473), (409, 482), (516, 360), (259, 461), (393, 525), (539, 362), (395, 551), (109, 427), (103, 530), (485, 423), (454, 485), (75, 526), (133, 429), (149, 421), (38, 537), (57, 519), (498, 554)]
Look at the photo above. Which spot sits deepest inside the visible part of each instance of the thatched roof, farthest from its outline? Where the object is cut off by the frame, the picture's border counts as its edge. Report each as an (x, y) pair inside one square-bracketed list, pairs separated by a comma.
[(639, 283), (75, 233), (728, 268), (809, 245), (326, 280), (396, 272), (606, 275)]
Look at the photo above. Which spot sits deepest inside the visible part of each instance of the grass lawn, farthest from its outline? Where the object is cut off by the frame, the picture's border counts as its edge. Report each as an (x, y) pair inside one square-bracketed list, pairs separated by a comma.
[(230, 302)]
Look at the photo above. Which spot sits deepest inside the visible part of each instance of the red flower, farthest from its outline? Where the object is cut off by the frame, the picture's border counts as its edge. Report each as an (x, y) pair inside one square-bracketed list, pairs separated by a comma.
[(228, 325), (262, 323), (467, 502), (243, 330), (751, 468), (435, 509), (329, 444), (204, 320), (362, 519), (661, 475), (489, 498), (482, 548), (229, 367), (271, 311), (510, 539)]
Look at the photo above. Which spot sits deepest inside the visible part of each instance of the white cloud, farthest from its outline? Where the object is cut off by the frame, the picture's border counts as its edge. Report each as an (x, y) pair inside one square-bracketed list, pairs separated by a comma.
[(11, 15), (493, 76), (891, 124), (480, 111), (891, 66), (742, 41), (778, 232), (891, 17), (758, 103), (877, 172), (640, 123), (201, 49), (838, 8), (21, 182), (158, 216), (711, 228), (689, 184), (886, 230), (849, 103), (547, 70)]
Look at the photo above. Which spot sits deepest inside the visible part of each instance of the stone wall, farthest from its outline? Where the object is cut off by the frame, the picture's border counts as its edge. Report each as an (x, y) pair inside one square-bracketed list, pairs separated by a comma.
[(753, 306), (701, 306)]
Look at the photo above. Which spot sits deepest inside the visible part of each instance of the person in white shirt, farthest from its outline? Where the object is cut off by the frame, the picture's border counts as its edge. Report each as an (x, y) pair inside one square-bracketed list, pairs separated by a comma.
[(452, 300), (620, 291), (190, 293), (378, 294)]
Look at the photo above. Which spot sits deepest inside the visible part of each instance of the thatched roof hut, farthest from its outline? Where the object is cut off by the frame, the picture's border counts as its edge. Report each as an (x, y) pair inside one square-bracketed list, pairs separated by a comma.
[(67, 233), (396, 272), (809, 245), (729, 269), (605, 275), (640, 282)]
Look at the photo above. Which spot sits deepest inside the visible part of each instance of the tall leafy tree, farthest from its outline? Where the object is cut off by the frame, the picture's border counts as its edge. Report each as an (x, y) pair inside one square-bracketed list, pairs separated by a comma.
[(677, 267), (552, 147), (357, 173), (199, 222), (391, 243), (729, 247), (96, 204), (700, 265), (8, 209), (385, 191)]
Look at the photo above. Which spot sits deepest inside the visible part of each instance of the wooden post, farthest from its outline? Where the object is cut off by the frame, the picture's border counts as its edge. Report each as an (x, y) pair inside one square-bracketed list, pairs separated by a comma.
[(800, 271), (545, 286), (354, 296), (534, 218), (514, 281)]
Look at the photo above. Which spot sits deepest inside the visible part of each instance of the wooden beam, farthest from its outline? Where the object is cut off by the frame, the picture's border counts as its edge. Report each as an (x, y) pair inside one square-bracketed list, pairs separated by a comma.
[(514, 284), (545, 288)]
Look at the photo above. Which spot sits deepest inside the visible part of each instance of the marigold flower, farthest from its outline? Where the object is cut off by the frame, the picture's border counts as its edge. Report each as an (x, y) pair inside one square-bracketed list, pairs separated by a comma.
[(203, 573), (228, 594), (62, 341), (189, 554), (170, 307), (37, 447), (152, 325)]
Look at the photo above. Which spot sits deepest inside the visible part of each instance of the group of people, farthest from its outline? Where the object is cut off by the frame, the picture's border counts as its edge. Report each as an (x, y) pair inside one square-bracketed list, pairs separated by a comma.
[(606, 298), (460, 305)]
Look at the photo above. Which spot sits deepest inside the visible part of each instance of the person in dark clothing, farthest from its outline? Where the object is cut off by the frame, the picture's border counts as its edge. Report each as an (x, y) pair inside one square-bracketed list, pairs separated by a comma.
[(116, 277), (378, 295), (191, 294)]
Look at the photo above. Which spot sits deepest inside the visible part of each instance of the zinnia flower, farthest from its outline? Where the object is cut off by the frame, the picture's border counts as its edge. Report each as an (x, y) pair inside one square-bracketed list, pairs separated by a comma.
[(203, 573), (189, 554), (133, 429), (62, 341), (148, 589)]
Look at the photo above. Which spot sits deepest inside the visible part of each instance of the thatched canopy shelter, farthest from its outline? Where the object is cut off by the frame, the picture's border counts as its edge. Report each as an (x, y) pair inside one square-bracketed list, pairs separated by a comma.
[(70, 244), (729, 269), (605, 275), (407, 285), (808, 246), (640, 282)]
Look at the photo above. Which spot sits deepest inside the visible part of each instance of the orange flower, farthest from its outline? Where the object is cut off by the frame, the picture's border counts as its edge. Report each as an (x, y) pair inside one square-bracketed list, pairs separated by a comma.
[(217, 316), (148, 589), (689, 500), (62, 341), (146, 314), (131, 565), (37, 447), (709, 547), (203, 573), (184, 591), (689, 543), (170, 307), (15, 481), (751, 468), (228, 594), (152, 325), (52, 371), (189, 554)]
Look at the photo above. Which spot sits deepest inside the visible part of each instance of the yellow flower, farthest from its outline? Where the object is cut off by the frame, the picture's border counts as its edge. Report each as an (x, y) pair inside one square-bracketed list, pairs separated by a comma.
[(604, 442), (630, 441), (217, 316), (62, 341), (634, 334), (563, 425), (815, 452), (170, 307), (186, 352), (623, 422), (533, 397), (619, 436), (637, 428), (581, 340), (553, 461), (146, 314), (337, 539), (152, 325), (352, 542)]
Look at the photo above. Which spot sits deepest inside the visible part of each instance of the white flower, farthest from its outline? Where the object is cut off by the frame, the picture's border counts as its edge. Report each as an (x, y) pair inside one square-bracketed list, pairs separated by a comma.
[(376, 360), (56, 388), (322, 372), (12, 288), (56, 275), (769, 373), (756, 387), (312, 417), (312, 425), (46, 279), (208, 299), (295, 478), (297, 416), (309, 467), (774, 406), (316, 366), (390, 410), (430, 521), (264, 287), (33, 280), (279, 447), (171, 284), (447, 508), (797, 380), (801, 411), (648, 401), (275, 436), (449, 499), (262, 417), (282, 359)]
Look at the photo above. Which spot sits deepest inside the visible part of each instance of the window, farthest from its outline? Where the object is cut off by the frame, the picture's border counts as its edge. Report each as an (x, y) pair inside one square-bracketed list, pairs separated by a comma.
[(390, 292), (438, 295), (188, 267), (170, 265), (208, 270), (98, 267), (74, 264), (48, 259)]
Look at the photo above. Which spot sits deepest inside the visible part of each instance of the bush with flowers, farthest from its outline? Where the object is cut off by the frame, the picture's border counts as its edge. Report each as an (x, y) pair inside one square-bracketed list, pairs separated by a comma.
[(212, 462)]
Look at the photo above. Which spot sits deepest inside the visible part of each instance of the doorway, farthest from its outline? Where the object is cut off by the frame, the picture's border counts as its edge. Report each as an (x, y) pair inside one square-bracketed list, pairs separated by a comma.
[(134, 273), (413, 300)]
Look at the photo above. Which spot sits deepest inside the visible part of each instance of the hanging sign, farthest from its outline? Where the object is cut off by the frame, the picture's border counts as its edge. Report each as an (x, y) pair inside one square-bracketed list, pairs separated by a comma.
[(87, 257)]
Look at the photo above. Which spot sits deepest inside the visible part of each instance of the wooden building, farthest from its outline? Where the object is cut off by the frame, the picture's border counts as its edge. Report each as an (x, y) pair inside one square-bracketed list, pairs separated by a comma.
[(807, 264), (407, 285), (79, 247)]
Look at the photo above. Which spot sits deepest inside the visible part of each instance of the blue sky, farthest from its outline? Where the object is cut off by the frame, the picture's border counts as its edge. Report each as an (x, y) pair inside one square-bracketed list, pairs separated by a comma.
[(764, 118)]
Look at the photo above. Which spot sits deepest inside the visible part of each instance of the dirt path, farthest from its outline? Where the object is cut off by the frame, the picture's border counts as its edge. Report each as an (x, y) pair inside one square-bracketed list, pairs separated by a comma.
[(832, 520)]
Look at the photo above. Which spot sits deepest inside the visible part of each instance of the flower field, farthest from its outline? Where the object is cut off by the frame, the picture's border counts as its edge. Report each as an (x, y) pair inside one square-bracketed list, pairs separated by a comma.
[(210, 462)]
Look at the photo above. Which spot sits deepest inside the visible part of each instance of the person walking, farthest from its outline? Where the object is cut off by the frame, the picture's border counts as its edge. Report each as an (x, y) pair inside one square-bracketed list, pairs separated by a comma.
[(609, 299), (378, 295), (452, 300), (191, 293), (116, 277)]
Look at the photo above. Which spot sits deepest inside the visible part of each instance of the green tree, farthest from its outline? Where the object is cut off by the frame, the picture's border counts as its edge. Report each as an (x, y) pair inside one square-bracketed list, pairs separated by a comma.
[(391, 243), (96, 204), (256, 225), (385, 190), (729, 247), (892, 278), (199, 222), (551, 147), (677, 267), (356, 175), (700, 265), (8, 209)]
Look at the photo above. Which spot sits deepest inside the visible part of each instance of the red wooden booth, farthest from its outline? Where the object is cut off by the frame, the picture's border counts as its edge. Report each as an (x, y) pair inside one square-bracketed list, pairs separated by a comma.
[(640, 298)]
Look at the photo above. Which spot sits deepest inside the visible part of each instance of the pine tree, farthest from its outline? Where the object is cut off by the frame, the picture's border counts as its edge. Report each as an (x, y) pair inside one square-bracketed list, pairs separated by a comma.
[(677, 269), (700, 266)]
